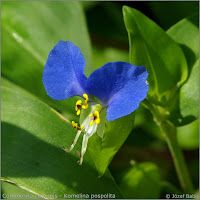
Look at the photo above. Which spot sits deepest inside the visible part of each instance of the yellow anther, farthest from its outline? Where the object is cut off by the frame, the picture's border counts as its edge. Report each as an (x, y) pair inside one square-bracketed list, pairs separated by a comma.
[(79, 102), (75, 125), (91, 123), (85, 106), (96, 117), (96, 113), (98, 121), (86, 101), (78, 106), (73, 122), (86, 98), (78, 112)]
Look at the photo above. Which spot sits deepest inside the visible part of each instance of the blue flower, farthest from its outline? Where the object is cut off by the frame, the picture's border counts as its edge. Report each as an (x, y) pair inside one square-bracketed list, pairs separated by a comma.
[(120, 86)]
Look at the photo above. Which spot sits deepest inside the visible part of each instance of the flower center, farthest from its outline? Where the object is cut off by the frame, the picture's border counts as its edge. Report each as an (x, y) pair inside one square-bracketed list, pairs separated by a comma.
[(88, 125), (96, 117), (79, 106)]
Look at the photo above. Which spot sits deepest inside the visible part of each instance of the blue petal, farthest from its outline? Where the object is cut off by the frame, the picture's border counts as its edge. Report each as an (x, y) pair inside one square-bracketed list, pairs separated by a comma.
[(63, 75), (119, 85)]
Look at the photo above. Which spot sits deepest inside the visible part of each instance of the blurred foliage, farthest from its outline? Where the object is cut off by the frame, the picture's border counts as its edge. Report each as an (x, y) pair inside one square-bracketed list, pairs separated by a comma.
[(169, 13), (102, 56), (134, 183), (188, 135), (33, 133), (112, 31)]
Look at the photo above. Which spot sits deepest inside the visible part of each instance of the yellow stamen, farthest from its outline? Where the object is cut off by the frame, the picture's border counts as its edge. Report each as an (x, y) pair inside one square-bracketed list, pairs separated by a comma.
[(85, 106), (91, 123), (75, 125), (86, 98), (86, 101), (78, 106), (79, 102), (96, 113), (78, 112), (96, 117), (98, 121)]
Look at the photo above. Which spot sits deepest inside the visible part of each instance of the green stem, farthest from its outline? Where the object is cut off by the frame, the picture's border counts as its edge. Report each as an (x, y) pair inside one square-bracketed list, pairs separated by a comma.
[(179, 162), (170, 134)]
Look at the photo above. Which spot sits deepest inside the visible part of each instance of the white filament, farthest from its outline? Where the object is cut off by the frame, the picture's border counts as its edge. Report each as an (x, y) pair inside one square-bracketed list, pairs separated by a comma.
[(88, 132)]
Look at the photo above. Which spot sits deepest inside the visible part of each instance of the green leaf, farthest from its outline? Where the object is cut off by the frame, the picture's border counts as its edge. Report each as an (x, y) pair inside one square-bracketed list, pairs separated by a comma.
[(32, 138), (115, 134), (108, 30), (186, 33), (142, 181), (12, 191), (29, 31), (151, 47), (101, 56), (189, 95), (188, 135)]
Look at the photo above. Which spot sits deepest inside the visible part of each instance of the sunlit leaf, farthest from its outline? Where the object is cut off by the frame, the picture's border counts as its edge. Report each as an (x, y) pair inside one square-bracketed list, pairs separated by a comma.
[(115, 134), (186, 33), (151, 47), (33, 135), (189, 94)]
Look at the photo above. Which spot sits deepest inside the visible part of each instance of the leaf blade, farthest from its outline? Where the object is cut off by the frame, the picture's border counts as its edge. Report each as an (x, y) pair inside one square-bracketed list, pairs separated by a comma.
[(186, 33), (151, 47), (115, 134), (189, 94), (30, 127)]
